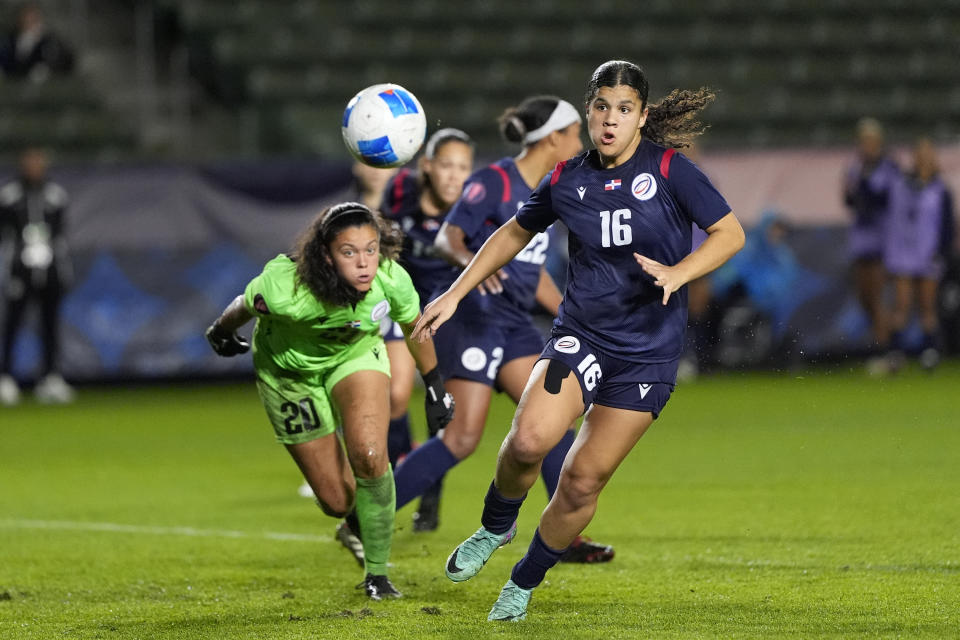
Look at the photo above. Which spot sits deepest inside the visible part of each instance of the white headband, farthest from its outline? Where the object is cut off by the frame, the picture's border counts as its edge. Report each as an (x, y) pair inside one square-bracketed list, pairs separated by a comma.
[(564, 115)]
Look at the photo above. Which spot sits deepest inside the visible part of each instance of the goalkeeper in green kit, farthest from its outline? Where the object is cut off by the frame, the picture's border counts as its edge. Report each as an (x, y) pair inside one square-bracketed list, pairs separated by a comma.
[(320, 363)]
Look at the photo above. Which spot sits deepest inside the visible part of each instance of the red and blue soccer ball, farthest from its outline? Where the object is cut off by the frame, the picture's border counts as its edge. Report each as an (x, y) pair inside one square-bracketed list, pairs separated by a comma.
[(384, 126)]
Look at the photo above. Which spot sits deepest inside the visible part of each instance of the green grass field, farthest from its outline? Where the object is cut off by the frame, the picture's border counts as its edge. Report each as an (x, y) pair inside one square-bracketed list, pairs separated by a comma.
[(825, 504)]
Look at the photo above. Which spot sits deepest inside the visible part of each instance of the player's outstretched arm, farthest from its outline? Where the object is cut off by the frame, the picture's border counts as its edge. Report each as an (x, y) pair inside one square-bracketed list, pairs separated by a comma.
[(724, 238), (222, 334), (498, 250), (451, 245)]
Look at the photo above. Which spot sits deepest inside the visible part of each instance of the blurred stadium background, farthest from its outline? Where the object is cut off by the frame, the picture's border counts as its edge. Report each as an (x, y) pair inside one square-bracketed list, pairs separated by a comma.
[(196, 137)]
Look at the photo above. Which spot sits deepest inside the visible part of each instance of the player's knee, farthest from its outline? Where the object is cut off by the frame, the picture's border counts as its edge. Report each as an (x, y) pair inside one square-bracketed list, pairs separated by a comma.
[(580, 490), (461, 443), (369, 463), (526, 443)]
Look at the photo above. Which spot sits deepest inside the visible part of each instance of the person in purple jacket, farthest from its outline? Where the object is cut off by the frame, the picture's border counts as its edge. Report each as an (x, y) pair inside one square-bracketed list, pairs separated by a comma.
[(629, 205), (492, 342), (866, 192), (918, 244)]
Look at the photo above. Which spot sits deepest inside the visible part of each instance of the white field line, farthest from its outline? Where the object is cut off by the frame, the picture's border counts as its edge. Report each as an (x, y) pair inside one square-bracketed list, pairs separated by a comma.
[(114, 527)]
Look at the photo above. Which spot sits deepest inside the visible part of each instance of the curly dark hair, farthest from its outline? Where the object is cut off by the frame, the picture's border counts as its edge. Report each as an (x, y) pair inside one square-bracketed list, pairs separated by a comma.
[(311, 251), (671, 122)]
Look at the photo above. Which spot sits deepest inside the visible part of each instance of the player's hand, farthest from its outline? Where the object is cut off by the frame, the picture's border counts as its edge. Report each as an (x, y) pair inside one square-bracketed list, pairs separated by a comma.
[(669, 278), (494, 284), (226, 343), (434, 315), (438, 403)]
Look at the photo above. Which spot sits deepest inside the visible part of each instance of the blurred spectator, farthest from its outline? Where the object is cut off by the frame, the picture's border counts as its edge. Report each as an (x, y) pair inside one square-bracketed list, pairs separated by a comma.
[(867, 187), (760, 288), (31, 50), (918, 245), (32, 230)]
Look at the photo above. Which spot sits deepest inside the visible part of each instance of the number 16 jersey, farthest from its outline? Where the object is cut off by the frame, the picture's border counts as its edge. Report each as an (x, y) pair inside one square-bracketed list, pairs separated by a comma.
[(645, 205)]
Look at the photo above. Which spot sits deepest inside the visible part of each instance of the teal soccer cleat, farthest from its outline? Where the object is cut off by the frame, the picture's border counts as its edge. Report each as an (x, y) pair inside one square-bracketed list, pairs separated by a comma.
[(468, 558), (511, 606)]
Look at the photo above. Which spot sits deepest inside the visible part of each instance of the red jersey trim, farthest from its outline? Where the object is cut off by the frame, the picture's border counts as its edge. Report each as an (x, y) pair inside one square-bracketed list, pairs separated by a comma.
[(665, 162), (506, 182), (398, 190), (556, 172)]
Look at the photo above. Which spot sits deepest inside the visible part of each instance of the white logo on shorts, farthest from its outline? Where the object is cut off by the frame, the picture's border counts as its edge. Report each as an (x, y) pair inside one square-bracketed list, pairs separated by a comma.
[(474, 359), (567, 344), (380, 311), (645, 389), (644, 187)]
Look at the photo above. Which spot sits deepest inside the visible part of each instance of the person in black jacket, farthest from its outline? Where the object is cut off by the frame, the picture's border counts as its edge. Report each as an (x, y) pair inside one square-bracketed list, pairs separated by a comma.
[(35, 261), (31, 50)]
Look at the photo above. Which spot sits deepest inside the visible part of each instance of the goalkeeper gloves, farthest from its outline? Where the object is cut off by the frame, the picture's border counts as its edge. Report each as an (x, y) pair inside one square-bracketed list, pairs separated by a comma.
[(226, 343), (439, 403)]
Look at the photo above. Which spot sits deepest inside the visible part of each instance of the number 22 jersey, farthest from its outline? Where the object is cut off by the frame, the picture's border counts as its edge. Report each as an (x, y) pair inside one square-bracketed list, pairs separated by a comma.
[(645, 205)]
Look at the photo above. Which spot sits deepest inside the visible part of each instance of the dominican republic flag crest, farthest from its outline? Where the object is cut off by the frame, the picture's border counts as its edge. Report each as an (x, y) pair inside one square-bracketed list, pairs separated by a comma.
[(611, 185)]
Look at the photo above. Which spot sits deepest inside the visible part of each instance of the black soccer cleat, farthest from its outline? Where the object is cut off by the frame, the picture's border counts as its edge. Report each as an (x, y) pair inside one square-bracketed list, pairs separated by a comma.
[(379, 587), (583, 550), (427, 516)]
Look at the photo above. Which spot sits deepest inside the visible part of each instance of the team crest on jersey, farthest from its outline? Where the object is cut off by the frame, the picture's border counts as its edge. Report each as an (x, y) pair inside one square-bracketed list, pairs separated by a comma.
[(474, 192), (380, 311), (644, 187), (473, 359), (430, 224), (567, 344)]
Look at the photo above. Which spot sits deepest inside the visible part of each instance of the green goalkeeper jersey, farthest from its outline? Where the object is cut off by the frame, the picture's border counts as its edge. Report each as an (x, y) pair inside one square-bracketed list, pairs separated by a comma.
[(298, 333)]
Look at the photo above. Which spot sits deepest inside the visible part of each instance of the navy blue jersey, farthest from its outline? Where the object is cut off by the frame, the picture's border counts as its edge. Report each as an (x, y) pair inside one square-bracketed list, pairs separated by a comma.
[(491, 196), (401, 203), (646, 206)]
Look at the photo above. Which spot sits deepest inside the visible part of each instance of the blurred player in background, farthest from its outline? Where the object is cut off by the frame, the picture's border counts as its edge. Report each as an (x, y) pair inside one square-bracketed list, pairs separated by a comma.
[(418, 201), (35, 257), (492, 341), (629, 206), (866, 192), (320, 362), (919, 243)]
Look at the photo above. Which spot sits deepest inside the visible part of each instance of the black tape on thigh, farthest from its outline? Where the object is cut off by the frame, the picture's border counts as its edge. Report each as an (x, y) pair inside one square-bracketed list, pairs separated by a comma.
[(556, 372)]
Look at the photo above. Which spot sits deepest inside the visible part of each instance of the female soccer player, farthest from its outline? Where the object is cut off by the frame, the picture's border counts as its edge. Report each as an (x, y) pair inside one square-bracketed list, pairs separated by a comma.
[(492, 340), (419, 202), (919, 241), (320, 361), (866, 192), (628, 205)]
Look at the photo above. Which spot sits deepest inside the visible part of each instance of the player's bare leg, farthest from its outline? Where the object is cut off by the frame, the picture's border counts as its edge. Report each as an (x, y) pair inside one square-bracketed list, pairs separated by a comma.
[(606, 437), (363, 401)]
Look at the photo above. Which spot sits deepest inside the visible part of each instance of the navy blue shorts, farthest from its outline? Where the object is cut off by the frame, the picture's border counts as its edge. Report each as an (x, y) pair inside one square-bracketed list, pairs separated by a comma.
[(474, 348), (610, 381)]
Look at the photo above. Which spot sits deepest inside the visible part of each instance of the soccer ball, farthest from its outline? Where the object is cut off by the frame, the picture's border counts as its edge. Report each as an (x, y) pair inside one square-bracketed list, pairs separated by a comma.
[(384, 126)]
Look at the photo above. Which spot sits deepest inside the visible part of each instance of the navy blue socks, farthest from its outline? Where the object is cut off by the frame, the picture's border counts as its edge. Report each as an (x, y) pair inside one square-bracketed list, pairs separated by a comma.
[(530, 571), (553, 462), (421, 469), (499, 513)]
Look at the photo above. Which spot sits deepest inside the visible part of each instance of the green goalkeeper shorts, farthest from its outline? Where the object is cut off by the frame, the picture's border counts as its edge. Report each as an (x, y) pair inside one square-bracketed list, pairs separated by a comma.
[(300, 407)]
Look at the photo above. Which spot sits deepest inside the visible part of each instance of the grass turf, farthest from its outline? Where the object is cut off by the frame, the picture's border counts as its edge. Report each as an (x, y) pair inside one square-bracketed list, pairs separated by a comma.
[(759, 505)]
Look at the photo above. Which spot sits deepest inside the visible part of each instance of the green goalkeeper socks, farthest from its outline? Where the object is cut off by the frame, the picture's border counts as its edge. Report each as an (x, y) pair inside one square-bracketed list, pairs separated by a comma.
[(376, 508)]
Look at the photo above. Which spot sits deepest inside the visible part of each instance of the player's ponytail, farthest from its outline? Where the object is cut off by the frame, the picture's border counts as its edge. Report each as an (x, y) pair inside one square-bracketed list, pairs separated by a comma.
[(519, 122), (672, 122), (311, 252)]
